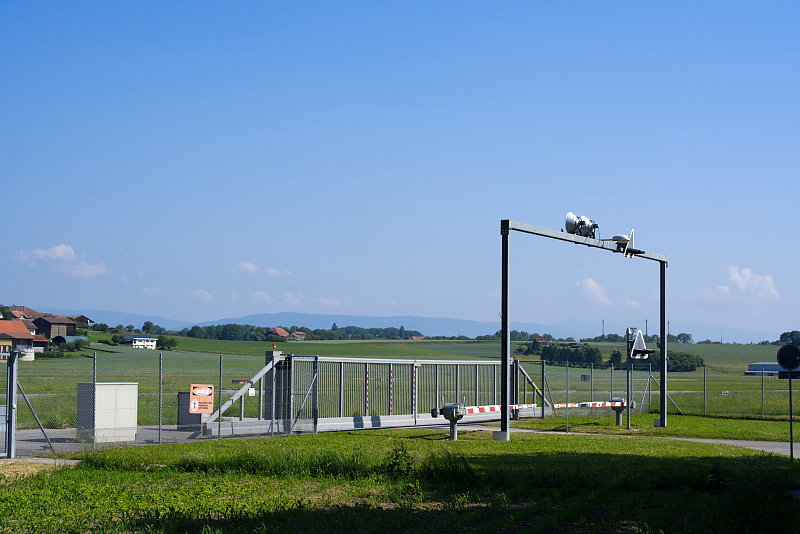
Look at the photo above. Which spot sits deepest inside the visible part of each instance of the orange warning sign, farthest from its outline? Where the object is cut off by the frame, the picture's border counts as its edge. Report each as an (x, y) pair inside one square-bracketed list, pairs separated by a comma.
[(201, 398)]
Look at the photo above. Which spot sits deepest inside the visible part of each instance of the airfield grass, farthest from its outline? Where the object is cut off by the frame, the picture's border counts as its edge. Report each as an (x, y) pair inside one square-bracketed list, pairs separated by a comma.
[(410, 481)]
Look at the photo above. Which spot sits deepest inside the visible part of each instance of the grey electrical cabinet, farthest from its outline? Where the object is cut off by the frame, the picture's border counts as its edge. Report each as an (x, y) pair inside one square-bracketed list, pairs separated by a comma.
[(107, 411)]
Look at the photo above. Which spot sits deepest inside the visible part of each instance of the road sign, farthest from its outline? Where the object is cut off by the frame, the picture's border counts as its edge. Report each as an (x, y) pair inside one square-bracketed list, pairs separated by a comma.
[(789, 357)]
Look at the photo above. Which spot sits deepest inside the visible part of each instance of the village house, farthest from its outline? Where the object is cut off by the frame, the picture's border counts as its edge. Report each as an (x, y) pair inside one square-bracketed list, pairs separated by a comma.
[(294, 336), (15, 335), (141, 341)]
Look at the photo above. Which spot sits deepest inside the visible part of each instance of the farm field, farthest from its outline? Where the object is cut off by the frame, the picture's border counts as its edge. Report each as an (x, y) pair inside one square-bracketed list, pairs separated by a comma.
[(407, 481)]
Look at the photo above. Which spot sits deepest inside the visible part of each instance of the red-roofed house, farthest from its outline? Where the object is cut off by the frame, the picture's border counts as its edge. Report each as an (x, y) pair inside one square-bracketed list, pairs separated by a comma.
[(278, 331), (14, 335), (296, 336)]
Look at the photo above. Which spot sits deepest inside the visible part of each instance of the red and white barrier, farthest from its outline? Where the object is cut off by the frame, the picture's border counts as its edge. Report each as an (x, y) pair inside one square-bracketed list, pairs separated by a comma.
[(496, 407), (590, 405)]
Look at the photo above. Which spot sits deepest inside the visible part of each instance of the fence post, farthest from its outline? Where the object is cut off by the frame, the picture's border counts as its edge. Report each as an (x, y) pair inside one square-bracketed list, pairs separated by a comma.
[(219, 401), (612, 381), (567, 395), (541, 387), (341, 389), (11, 405), (160, 391), (477, 386), (366, 390), (315, 405), (762, 393)]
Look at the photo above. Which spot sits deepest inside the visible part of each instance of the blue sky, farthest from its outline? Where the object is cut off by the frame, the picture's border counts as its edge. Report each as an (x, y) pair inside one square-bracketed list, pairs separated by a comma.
[(197, 160)]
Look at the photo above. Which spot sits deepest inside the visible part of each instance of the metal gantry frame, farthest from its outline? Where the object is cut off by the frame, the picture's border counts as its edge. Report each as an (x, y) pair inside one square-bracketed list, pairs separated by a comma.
[(506, 226)]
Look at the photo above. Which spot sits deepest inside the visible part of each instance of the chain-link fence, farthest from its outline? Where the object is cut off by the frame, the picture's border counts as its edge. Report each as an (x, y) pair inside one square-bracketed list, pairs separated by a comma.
[(137, 396), (70, 403)]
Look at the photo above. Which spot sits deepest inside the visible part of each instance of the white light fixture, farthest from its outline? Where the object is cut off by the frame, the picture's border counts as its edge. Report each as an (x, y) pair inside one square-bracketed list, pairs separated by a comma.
[(582, 226), (640, 351)]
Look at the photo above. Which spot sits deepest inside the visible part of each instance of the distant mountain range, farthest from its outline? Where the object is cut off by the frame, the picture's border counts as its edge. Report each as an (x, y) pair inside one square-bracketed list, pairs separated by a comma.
[(429, 326)]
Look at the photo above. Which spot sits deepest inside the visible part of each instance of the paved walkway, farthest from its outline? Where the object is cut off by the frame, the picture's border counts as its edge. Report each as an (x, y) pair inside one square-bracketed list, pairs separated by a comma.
[(777, 447)]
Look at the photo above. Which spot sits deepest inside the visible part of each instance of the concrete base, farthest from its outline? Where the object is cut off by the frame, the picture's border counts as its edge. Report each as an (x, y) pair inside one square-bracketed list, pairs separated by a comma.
[(657, 423), (499, 435)]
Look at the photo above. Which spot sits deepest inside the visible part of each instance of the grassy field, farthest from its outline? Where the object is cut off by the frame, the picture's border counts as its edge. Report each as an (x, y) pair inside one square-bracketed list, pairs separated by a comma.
[(410, 481)]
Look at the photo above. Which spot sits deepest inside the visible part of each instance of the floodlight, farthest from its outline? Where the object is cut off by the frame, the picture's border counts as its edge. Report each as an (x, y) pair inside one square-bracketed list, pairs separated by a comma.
[(582, 226), (640, 351)]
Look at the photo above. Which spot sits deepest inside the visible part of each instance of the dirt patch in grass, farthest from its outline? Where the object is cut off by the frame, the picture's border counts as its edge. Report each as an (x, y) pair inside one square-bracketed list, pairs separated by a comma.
[(17, 468)]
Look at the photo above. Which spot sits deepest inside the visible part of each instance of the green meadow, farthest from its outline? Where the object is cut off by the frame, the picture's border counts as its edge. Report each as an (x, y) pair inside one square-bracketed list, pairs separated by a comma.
[(410, 481)]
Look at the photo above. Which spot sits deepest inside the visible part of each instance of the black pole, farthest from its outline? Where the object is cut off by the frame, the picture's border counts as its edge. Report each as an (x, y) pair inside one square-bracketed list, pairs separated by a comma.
[(505, 346), (791, 430), (629, 346), (663, 369)]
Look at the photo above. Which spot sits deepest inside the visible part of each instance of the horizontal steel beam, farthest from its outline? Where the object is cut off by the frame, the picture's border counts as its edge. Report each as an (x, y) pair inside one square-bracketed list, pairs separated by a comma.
[(578, 240)]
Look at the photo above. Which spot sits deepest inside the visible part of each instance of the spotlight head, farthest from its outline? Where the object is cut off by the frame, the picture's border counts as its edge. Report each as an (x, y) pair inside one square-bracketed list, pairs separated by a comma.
[(571, 223), (582, 226)]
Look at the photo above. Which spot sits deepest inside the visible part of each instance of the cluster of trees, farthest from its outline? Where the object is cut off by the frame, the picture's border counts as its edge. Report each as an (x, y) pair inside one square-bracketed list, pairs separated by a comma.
[(678, 362), (579, 357), (246, 332)]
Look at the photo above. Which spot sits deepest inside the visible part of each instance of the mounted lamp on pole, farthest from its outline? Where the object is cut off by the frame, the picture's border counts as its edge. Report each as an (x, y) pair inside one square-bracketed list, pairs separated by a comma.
[(581, 231)]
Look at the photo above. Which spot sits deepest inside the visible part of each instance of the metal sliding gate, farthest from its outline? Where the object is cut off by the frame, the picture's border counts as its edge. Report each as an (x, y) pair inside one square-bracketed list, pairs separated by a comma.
[(299, 394)]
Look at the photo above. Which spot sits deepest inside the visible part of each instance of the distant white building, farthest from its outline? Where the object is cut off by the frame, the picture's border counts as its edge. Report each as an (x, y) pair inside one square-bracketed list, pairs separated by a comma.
[(140, 341)]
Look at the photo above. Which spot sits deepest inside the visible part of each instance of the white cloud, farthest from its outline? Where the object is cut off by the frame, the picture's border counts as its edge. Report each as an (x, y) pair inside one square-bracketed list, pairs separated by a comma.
[(57, 253), (262, 296), (753, 286), (275, 273), (247, 267), (330, 303), (83, 269), (202, 294), (293, 299), (743, 284), (594, 291)]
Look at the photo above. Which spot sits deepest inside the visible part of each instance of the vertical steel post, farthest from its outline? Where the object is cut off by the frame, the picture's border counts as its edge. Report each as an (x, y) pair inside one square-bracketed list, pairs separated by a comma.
[(663, 334), (219, 401), (591, 382), (458, 383), (11, 405), (341, 389), (541, 387), (366, 390), (315, 401), (94, 370), (272, 403), (629, 346), (261, 398), (567, 395), (505, 346), (612, 381), (791, 419), (160, 392), (436, 379), (391, 389), (477, 387), (762, 393)]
